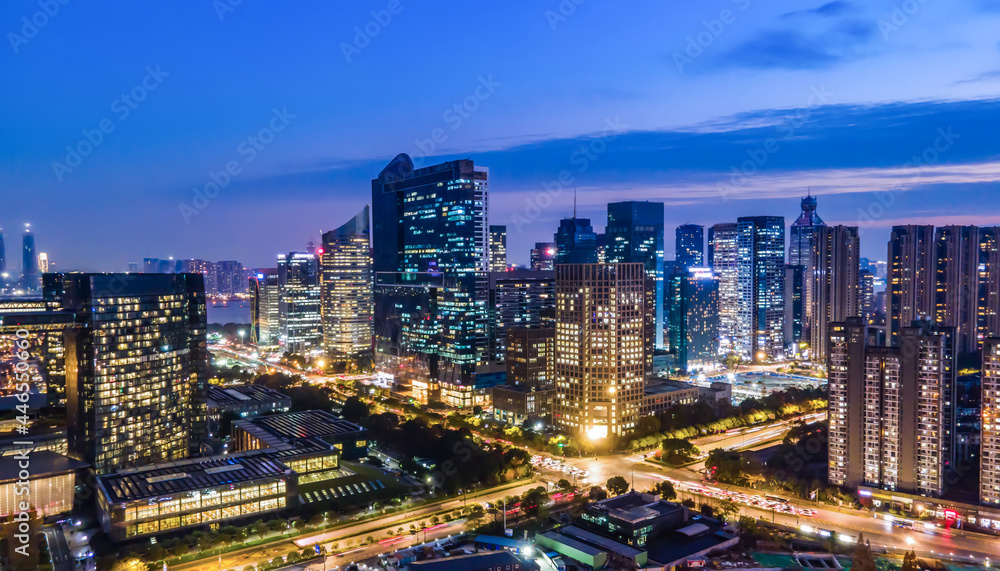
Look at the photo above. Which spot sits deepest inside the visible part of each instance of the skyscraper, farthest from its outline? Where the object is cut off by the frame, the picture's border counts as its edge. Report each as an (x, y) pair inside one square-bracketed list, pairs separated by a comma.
[(891, 423), (576, 242), (989, 458), (800, 249), (634, 234), (988, 320), (760, 322), (690, 245), (601, 348), (3, 256), (498, 248), (346, 288), (957, 290), (543, 256), (866, 297), (912, 278), (835, 282), (30, 280), (430, 241), (136, 369), (265, 306), (231, 279), (300, 310), (693, 318), (723, 257), (516, 299)]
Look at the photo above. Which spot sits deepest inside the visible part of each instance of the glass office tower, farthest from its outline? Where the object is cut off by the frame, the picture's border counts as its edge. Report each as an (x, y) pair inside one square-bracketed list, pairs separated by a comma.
[(634, 234)]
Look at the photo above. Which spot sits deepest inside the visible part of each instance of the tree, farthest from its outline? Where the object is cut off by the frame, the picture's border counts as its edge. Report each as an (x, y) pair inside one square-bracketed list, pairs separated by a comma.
[(678, 451), (155, 553), (260, 528), (617, 485), (597, 494), (355, 410), (910, 562), (477, 410), (728, 509), (129, 564), (665, 490), (863, 560), (754, 479), (564, 484)]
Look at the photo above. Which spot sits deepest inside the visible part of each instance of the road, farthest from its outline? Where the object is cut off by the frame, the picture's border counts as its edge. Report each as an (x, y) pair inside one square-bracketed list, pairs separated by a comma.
[(358, 532), (62, 557), (644, 475)]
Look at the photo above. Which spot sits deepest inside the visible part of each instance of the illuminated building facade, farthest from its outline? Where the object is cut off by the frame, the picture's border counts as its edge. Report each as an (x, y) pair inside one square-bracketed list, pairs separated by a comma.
[(515, 299), (601, 347), (265, 306), (498, 248), (912, 278), (51, 483), (299, 306), (760, 319), (957, 290), (543, 256), (576, 242), (891, 422), (530, 357), (989, 457), (634, 234), (230, 278), (835, 282), (136, 369), (689, 246), (723, 258), (203, 267), (430, 244), (30, 278), (198, 492), (346, 288), (693, 318), (31, 321), (801, 237)]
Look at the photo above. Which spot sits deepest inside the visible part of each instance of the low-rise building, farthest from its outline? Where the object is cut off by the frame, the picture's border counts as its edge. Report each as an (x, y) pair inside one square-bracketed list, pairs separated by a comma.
[(519, 405), (718, 391), (50, 484), (164, 497), (489, 561), (247, 401), (661, 394), (287, 432)]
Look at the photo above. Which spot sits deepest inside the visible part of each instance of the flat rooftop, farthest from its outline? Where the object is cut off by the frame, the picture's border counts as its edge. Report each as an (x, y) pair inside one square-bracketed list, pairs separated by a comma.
[(221, 396), (187, 475), (634, 507), (666, 386), (600, 541), (307, 424), (490, 560), (42, 464)]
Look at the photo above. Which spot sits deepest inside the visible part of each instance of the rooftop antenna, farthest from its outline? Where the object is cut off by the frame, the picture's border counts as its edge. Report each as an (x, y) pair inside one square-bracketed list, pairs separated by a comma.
[(574, 202)]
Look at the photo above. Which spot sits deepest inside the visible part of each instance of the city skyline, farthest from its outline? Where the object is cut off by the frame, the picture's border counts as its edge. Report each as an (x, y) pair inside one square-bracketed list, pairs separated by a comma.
[(663, 130)]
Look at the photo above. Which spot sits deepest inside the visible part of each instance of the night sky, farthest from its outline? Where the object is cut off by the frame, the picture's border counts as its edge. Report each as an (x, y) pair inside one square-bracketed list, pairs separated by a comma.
[(622, 100)]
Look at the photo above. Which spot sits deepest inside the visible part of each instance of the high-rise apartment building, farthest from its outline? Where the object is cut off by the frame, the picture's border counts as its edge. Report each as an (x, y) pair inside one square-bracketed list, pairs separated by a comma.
[(866, 297), (265, 307), (912, 278), (346, 288), (498, 248), (795, 306), (690, 245), (231, 279), (634, 234), (957, 289), (601, 347), (300, 310), (516, 299), (988, 320), (430, 241), (800, 249), (693, 318), (891, 418), (760, 333), (989, 457), (576, 242), (543, 256), (204, 268), (530, 357), (835, 282), (723, 258), (136, 368)]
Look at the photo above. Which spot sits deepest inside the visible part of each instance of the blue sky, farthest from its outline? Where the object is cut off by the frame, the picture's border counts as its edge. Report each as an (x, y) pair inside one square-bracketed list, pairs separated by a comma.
[(639, 100)]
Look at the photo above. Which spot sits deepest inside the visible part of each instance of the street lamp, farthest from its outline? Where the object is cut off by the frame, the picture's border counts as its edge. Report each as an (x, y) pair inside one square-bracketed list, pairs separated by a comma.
[(241, 333)]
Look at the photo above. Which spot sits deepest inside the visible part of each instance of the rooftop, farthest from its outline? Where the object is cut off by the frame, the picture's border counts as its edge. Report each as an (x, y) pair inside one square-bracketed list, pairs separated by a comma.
[(665, 386), (604, 543), (43, 464), (283, 431), (471, 562), (218, 396), (187, 475)]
